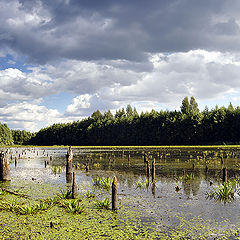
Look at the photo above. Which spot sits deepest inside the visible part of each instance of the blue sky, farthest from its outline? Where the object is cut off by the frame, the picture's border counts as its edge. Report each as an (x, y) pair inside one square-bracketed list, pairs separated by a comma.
[(61, 60)]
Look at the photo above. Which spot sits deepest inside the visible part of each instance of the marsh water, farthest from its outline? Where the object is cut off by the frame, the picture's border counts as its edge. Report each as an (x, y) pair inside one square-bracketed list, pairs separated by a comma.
[(180, 186)]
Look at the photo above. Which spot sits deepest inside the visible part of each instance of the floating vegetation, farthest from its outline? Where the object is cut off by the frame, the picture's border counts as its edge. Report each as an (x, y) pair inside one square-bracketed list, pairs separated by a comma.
[(103, 204), (224, 192)]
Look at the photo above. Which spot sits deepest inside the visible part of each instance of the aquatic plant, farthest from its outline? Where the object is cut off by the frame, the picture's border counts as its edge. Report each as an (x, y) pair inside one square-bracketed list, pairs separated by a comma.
[(96, 182), (90, 194), (27, 209), (147, 182), (65, 194), (74, 206), (56, 169), (106, 183), (1, 192), (224, 192), (139, 184), (103, 204), (10, 205)]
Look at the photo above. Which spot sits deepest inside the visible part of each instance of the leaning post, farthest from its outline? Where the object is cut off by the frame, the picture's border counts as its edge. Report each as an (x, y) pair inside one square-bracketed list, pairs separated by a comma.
[(4, 166), (114, 194)]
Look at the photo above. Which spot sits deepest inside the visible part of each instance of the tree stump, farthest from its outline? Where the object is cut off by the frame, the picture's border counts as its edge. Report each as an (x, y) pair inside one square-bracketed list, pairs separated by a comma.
[(69, 167), (224, 175), (114, 194), (74, 186), (4, 166), (153, 170), (69, 161)]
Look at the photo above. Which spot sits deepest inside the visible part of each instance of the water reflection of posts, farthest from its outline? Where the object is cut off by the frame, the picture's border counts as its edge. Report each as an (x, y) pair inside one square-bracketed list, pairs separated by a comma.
[(4, 166), (74, 186), (224, 175), (129, 158), (154, 189), (69, 165), (114, 194), (15, 162), (148, 169)]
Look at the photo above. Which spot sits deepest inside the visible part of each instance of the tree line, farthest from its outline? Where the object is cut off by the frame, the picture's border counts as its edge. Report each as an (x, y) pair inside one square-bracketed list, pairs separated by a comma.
[(189, 126)]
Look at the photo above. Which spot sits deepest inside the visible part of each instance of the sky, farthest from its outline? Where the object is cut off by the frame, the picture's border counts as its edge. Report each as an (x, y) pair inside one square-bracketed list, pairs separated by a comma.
[(61, 60)]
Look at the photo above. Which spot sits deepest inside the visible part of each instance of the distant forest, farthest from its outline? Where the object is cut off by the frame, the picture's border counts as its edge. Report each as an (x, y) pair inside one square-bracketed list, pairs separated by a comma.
[(189, 126)]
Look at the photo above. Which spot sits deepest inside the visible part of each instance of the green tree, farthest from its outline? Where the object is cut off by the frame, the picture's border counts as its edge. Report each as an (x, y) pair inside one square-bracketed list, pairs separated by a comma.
[(193, 106), (185, 107)]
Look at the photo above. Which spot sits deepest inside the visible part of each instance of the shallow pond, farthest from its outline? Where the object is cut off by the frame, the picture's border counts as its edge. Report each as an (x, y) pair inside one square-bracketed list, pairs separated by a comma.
[(176, 199)]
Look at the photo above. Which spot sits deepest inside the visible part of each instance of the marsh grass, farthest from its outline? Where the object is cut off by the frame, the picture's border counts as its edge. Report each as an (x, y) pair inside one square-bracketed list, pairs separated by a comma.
[(147, 182), (74, 206), (139, 184), (103, 204), (56, 169), (90, 194), (23, 208), (65, 194), (96, 182), (224, 192), (105, 183)]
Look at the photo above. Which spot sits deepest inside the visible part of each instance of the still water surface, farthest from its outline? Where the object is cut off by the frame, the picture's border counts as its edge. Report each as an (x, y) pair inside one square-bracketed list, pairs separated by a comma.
[(184, 169)]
